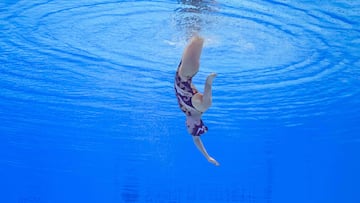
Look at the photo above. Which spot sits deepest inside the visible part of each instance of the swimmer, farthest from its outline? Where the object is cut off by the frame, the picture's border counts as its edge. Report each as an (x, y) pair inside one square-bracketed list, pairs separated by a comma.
[(192, 102)]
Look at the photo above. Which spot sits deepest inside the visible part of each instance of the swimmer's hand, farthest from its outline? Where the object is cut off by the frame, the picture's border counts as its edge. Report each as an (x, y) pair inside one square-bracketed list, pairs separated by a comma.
[(213, 161), (202, 149)]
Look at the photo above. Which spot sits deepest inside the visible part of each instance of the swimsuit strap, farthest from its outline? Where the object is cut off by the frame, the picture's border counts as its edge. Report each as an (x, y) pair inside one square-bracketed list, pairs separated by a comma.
[(199, 129)]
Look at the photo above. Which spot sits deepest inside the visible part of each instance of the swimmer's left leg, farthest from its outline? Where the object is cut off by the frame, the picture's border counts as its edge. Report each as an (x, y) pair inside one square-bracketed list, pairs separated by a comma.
[(203, 102), (207, 97)]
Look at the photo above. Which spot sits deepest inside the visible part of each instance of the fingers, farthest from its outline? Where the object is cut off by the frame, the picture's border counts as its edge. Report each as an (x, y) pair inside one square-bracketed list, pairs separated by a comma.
[(213, 161), (216, 163)]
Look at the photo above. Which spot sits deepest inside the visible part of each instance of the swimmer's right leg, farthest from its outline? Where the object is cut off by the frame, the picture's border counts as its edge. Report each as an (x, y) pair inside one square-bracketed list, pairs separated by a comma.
[(191, 57)]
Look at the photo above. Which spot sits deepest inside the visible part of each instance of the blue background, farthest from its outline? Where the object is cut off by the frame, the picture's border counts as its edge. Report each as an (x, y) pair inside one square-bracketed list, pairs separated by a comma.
[(88, 111)]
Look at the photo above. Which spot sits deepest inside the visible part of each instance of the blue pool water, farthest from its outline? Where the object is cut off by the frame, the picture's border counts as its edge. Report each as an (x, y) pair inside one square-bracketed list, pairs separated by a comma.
[(88, 112)]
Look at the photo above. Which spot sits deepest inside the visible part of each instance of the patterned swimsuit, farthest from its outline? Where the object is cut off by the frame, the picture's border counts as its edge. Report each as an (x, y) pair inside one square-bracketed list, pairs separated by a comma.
[(184, 91)]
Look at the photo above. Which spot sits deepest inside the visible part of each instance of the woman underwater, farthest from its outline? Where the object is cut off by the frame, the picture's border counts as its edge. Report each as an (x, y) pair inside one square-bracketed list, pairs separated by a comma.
[(192, 102)]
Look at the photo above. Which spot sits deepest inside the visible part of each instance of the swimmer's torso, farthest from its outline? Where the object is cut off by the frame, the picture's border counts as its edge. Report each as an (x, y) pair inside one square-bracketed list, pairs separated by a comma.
[(185, 91)]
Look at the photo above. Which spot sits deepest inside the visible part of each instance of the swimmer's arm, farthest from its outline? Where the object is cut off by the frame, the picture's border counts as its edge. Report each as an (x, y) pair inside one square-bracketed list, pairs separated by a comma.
[(202, 149)]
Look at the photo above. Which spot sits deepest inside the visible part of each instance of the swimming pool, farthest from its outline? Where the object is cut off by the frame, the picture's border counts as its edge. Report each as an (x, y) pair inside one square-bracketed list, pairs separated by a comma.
[(88, 111)]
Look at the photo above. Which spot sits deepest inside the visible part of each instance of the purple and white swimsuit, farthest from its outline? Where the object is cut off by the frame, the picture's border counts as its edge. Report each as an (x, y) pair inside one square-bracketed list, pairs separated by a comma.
[(184, 91)]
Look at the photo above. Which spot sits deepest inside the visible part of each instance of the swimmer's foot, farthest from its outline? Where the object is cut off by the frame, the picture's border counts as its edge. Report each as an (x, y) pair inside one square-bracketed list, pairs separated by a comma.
[(197, 39), (210, 78)]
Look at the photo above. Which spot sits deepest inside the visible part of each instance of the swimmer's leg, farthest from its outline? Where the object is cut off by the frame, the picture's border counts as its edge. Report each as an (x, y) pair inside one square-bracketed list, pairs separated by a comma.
[(191, 57), (203, 102)]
